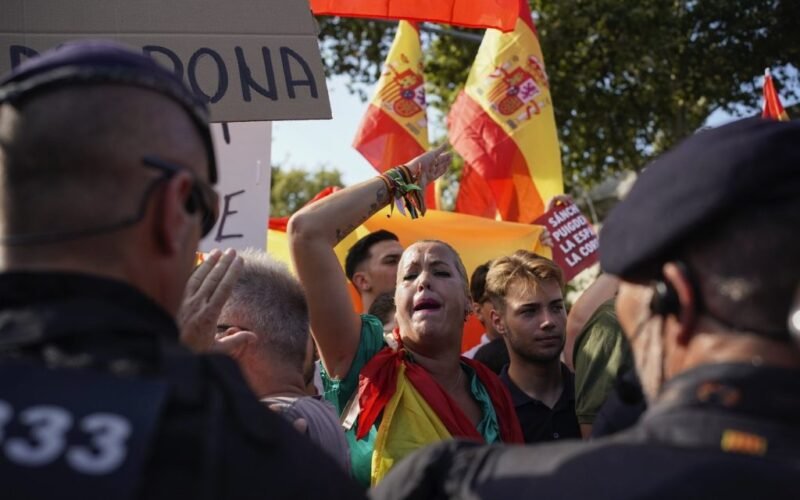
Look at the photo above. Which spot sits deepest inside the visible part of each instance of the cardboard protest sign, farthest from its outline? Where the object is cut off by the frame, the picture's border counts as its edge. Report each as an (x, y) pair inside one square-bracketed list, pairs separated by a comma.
[(575, 244), (243, 155), (251, 60)]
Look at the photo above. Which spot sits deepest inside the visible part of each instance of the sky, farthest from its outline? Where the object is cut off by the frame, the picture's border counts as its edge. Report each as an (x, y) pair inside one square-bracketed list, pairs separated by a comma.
[(316, 144)]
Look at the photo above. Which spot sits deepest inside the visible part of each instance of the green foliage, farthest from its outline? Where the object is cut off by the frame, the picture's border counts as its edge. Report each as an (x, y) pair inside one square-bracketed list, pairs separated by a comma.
[(293, 188), (356, 48), (629, 78)]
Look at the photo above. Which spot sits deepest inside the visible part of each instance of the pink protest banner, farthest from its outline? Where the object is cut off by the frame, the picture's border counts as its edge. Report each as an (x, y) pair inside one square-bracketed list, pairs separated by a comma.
[(575, 244)]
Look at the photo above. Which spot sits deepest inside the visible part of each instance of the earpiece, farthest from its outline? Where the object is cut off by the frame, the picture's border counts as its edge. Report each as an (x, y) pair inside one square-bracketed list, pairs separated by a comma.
[(665, 299)]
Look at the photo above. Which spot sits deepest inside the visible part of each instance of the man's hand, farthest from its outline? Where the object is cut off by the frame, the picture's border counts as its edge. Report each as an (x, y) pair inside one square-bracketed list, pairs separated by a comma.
[(430, 166), (207, 290)]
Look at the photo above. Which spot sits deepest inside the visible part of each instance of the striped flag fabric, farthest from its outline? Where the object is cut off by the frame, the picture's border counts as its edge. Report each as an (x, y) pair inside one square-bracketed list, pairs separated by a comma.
[(503, 125), (499, 14), (773, 109), (394, 129)]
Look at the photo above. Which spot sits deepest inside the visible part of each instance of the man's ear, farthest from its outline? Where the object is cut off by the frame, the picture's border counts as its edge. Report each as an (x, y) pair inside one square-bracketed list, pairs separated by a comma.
[(235, 342), (498, 323), (361, 281), (676, 276), (172, 221)]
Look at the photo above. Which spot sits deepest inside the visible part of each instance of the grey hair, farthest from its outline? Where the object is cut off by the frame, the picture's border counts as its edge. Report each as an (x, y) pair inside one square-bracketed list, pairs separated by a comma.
[(269, 301)]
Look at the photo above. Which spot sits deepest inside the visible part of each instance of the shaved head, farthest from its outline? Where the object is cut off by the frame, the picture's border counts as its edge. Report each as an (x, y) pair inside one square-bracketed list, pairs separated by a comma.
[(71, 159)]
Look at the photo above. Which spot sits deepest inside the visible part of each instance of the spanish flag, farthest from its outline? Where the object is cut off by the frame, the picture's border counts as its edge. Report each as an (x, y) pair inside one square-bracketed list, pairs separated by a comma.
[(415, 411), (395, 128), (503, 125), (773, 109), (500, 14)]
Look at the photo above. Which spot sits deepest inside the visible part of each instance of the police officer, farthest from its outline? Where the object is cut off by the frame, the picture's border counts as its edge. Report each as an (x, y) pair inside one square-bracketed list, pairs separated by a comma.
[(107, 165), (705, 245)]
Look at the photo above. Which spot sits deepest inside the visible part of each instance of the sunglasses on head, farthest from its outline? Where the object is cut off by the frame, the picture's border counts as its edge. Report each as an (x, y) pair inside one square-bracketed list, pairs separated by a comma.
[(202, 196)]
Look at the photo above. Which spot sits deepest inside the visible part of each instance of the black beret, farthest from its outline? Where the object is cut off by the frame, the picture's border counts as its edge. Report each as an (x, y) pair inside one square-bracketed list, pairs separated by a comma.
[(711, 175), (105, 62)]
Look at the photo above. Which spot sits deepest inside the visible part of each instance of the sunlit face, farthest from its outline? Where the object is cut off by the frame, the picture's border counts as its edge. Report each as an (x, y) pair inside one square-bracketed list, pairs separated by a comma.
[(381, 267), (534, 320), (431, 298)]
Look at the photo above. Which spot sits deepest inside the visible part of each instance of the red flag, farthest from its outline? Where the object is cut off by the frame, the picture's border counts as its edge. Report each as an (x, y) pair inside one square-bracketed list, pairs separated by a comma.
[(474, 196), (503, 125), (499, 14), (773, 109)]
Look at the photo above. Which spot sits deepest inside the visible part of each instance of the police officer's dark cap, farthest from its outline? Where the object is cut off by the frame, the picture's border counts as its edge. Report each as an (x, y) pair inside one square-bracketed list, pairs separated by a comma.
[(745, 165), (104, 62)]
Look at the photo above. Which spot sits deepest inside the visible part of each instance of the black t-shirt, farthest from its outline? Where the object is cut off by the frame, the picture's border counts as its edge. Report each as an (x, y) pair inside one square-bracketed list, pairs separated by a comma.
[(540, 423), (494, 355)]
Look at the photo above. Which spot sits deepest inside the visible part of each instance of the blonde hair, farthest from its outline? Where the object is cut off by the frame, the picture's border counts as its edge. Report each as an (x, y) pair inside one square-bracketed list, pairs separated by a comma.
[(530, 268)]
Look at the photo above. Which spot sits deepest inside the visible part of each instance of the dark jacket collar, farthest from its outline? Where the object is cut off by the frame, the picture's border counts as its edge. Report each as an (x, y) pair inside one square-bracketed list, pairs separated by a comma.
[(762, 391)]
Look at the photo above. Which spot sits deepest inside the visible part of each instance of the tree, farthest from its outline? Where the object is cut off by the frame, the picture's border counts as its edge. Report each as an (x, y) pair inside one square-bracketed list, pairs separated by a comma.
[(629, 78), (293, 188)]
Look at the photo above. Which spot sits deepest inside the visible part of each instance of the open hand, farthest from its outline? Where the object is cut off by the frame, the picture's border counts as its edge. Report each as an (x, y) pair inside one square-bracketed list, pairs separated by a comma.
[(207, 290)]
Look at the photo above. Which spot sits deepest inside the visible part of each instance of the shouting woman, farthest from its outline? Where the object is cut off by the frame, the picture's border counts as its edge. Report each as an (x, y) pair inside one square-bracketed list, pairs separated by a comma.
[(402, 391)]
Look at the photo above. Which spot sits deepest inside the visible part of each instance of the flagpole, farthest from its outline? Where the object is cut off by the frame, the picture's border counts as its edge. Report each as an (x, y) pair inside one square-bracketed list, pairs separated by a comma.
[(461, 35), (430, 28)]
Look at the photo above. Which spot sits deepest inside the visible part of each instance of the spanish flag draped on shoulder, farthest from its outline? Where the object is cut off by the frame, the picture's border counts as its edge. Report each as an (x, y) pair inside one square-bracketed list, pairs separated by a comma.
[(503, 125), (394, 129), (773, 109)]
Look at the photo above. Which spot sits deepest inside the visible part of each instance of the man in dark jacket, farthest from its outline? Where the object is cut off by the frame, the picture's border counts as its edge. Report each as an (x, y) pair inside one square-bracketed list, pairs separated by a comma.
[(706, 247), (107, 167)]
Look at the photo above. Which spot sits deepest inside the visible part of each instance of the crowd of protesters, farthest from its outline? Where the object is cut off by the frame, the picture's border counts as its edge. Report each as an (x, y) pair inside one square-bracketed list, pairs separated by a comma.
[(129, 371)]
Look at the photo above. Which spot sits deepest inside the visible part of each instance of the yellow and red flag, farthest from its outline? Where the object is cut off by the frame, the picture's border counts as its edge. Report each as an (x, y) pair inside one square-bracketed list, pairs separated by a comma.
[(499, 14), (415, 411), (504, 127), (394, 129), (773, 108)]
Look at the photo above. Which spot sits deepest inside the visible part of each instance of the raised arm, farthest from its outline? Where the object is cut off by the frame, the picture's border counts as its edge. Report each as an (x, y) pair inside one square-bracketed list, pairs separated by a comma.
[(313, 233)]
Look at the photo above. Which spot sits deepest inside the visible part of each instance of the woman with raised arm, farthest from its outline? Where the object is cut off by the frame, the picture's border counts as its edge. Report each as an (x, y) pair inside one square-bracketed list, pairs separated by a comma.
[(412, 388)]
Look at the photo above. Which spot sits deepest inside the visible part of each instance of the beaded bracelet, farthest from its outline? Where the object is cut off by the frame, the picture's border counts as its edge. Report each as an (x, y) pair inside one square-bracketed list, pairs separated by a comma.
[(405, 192)]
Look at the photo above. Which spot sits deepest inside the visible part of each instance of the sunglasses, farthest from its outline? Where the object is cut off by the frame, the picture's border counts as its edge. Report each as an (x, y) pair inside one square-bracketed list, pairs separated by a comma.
[(202, 196)]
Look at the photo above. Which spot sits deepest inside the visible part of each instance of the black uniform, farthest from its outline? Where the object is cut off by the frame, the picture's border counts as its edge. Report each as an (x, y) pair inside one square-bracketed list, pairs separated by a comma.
[(718, 431), (99, 400)]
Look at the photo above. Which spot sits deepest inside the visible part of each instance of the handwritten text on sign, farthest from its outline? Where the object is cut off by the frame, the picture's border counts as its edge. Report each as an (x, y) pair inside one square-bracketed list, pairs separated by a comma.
[(250, 60), (575, 244), (243, 154), (240, 83)]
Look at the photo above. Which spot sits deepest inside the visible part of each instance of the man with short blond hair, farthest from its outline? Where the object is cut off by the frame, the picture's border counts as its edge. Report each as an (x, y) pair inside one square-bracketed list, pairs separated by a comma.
[(527, 293)]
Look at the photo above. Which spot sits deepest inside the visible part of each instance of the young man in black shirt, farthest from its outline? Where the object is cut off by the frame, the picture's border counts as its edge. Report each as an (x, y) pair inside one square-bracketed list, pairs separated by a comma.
[(527, 293)]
